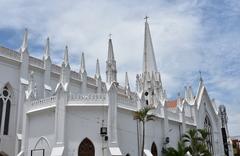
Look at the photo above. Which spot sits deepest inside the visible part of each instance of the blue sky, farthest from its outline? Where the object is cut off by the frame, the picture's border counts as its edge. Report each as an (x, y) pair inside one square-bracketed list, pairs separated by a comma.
[(188, 36)]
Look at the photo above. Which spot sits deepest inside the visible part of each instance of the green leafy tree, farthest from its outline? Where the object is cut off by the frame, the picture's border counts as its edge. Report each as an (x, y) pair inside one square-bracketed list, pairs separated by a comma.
[(192, 143), (181, 151), (143, 116), (195, 142)]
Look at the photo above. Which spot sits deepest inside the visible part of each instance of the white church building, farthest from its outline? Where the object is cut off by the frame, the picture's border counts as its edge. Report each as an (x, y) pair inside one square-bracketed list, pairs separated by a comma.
[(51, 110)]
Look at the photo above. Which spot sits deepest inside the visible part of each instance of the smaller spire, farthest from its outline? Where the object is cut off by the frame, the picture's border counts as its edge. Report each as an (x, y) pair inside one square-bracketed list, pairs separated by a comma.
[(127, 86), (24, 46), (98, 74), (82, 67), (66, 61), (179, 102), (190, 93), (47, 50), (186, 93)]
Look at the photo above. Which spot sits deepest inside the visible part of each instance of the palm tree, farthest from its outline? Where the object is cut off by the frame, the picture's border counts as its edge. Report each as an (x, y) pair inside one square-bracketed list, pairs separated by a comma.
[(181, 151), (195, 142), (143, 116)]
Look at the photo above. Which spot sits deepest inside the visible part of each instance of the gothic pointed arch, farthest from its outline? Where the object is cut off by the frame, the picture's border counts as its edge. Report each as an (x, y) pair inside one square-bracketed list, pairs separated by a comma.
[(209, 139), (154, 149), (86, 148), (6, 96), (43, 143)]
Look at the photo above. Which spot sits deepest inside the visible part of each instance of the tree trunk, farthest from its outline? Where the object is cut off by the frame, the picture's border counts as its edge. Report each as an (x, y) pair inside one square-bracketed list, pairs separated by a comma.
[(143, 139)]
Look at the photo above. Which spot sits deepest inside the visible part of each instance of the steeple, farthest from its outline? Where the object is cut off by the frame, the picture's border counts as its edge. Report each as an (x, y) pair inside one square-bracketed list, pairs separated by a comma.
[(111, 69), (98, 78), (47, 50), (149, 62), (97, 74), (65, 59), (150, 79), (24, 46), (82, 67), (65, 72)]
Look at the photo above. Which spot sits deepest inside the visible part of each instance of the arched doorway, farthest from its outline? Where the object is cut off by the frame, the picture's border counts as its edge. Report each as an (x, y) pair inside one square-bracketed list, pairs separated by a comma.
[(3, 153), (86, 148), (154, 149)]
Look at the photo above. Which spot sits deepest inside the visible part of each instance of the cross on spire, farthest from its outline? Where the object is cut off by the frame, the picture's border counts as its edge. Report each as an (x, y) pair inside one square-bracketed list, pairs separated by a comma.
[(146, 18), (110, 36)]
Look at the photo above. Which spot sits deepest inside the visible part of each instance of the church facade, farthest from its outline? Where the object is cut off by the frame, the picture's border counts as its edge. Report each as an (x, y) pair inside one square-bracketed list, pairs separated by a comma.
[(51, 110)]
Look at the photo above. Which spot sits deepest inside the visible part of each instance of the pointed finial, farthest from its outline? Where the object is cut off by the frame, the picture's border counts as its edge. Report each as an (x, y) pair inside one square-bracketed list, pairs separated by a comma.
[(82, 67), (126, 80), (186, 92), (97, 75), (47, 50), (179, 94), (146, 18), (200, 76), (66, 61), (25, 41)]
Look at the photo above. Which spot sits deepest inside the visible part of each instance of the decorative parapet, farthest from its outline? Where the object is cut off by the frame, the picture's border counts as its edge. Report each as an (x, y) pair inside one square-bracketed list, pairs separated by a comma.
[(91, 81), (36, 62), (173, 116), (126, 102), (56, 69), (10, 54), (74, 75), (87, 99), (41, 104), (189, 120)]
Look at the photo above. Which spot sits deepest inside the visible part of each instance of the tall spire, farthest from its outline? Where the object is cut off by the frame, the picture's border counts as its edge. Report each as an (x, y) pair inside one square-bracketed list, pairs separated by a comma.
[(47, 50), (97, 74), (82, 67), (65, 59), (24, 46), (149, 62)]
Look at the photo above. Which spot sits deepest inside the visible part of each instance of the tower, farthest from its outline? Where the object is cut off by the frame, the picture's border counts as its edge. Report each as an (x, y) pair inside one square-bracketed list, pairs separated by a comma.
[(149, 82)]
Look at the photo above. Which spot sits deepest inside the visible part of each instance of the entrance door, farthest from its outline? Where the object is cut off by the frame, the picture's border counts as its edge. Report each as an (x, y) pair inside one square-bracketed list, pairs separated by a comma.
[(154, 149), (86, 148), (3, 154)]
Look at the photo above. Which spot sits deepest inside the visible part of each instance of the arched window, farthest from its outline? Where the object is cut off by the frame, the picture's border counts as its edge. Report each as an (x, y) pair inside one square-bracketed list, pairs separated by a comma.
[(208, 127), (154, 149), (86, 148), (5, 108)]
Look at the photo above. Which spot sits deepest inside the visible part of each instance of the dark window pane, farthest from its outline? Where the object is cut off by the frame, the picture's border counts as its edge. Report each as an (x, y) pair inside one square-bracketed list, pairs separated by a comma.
[(1, 109), (7, 117), (5, 93)]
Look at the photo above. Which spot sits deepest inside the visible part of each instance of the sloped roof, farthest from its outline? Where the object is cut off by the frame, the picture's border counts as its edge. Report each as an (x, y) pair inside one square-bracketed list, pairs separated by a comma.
[(171, 104)]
